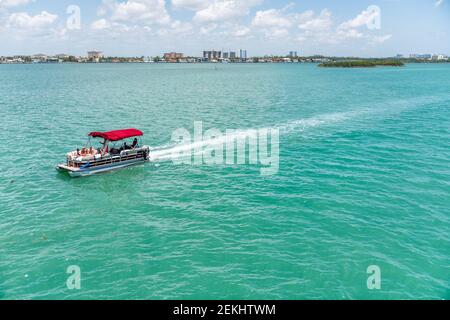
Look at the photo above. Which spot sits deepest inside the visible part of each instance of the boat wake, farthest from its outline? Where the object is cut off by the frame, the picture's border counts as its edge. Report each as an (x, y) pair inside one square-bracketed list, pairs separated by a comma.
[(318, 121), (171, 152)]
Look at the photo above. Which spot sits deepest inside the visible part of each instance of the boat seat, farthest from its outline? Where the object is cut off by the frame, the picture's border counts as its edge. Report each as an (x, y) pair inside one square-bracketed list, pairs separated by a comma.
[(114, 151)]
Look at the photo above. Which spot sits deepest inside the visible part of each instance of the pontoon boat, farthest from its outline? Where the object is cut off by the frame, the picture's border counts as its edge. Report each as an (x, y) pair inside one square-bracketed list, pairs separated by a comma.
[(115, 153)]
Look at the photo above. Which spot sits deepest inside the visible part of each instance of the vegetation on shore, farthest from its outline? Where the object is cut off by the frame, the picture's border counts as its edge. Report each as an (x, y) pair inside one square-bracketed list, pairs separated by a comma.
[(362, 64)]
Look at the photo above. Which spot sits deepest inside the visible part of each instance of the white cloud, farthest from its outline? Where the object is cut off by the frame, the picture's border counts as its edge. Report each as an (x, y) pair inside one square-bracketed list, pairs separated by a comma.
[(141, 18), (136, 11), (12, 3), (100, 24), (176, 28), (365, 18), (271, 18), (438, 3), (277, 33), (180, 27), (309, 22), (208, 28), (190, 4), (23, 20), (242, 32), (129, 10), (369, 20), (349, 34), (219, 18), (317, 29), (381, 39), (105, 7), (216, 23), (223, 10), (280, 23)]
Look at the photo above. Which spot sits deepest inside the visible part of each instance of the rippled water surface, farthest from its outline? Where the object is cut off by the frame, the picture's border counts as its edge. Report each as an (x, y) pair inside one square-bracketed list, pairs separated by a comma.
[(364, 179)]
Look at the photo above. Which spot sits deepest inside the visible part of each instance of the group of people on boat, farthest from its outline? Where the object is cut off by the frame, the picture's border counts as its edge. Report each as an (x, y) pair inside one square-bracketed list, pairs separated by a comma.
[(85, 152), (133, 145), (125, 146)]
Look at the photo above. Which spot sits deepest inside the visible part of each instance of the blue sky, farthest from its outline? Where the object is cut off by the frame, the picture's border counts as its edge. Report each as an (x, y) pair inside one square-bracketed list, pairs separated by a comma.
[(152, 27)]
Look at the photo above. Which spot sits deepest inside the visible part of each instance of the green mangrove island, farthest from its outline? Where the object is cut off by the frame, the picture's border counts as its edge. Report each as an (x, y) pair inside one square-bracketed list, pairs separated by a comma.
[(362, 64)]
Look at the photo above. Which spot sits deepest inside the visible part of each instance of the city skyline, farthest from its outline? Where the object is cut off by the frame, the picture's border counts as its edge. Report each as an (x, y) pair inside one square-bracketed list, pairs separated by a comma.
[(270, 27)]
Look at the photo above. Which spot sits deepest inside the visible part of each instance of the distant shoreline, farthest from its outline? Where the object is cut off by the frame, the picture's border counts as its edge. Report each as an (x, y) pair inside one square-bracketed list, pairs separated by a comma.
[(323, 60), (362, 64), (332, 64)]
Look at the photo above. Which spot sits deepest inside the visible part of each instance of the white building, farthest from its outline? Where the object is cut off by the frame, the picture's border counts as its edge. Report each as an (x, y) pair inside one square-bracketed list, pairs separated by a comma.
[(62, 56), (95, 55), (39, 57)]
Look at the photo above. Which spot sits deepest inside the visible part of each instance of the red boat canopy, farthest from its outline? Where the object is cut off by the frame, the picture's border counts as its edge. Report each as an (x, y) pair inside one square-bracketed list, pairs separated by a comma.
[(117, 135)]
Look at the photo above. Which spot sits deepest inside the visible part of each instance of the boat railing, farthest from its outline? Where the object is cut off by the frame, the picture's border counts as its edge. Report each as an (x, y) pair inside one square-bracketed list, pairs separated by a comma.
[(77, 161)]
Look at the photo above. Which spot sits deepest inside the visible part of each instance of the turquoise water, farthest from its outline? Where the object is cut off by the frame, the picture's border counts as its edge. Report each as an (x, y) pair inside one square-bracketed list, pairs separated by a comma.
[(364, 179)]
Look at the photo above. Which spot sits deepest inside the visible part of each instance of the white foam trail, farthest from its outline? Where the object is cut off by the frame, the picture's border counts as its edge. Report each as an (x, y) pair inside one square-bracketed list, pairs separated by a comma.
[(159, 154), (168, 152), (325, 119)]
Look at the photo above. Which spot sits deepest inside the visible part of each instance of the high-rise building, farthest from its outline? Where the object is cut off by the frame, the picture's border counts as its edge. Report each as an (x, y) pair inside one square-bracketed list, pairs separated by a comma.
[(427, 56), (243, 54), (293, 54), (232, 55), (212, 55), (225, 55)]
